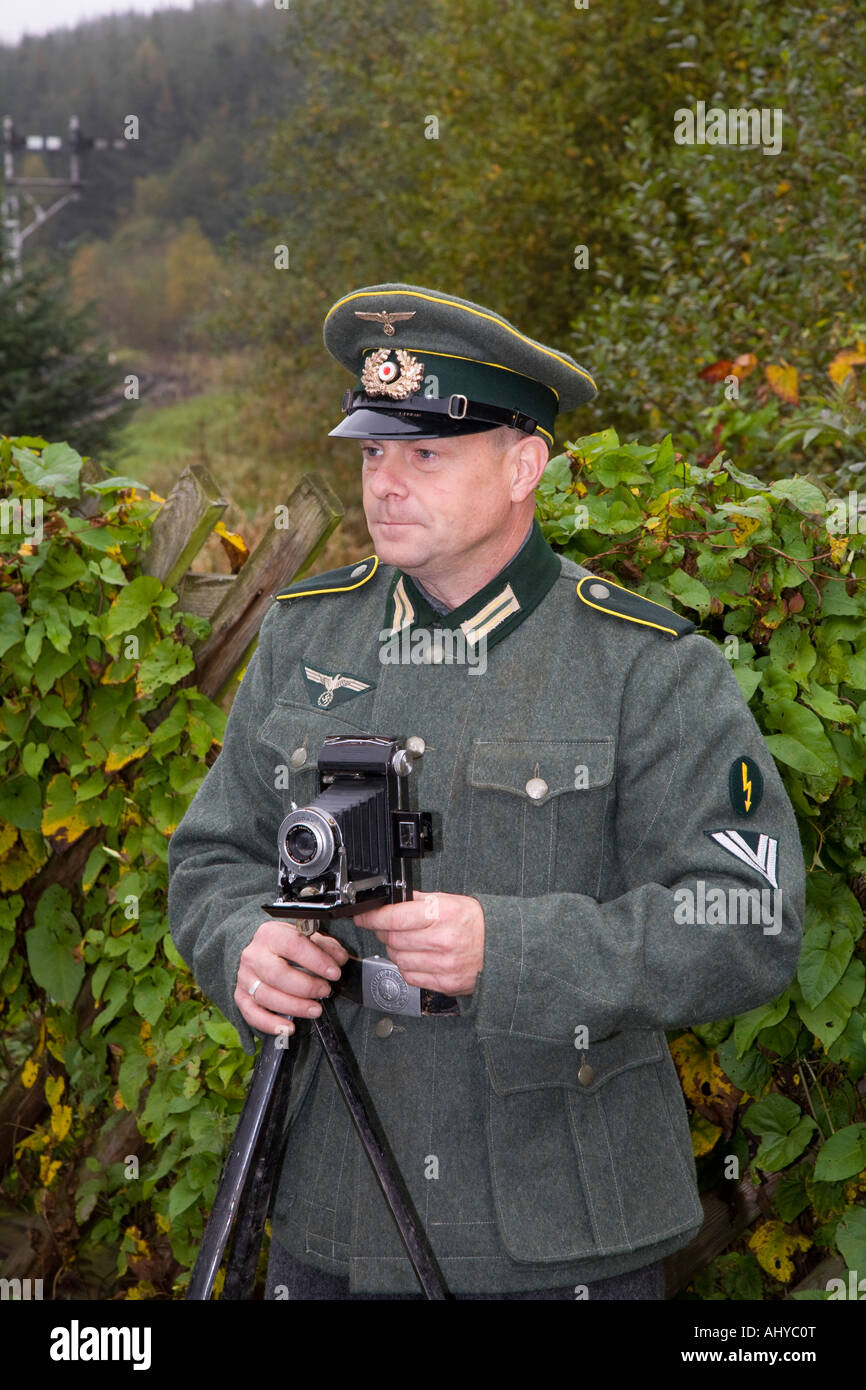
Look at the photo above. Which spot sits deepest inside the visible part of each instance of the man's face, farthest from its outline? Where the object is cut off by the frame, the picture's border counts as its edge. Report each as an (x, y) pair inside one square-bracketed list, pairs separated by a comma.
[(432, 503)]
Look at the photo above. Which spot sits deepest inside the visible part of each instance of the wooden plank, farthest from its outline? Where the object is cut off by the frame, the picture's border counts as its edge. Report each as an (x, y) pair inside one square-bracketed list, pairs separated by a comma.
[(723, 1223), (183, 524), (313, 511), (202, 594), (833, 1267)]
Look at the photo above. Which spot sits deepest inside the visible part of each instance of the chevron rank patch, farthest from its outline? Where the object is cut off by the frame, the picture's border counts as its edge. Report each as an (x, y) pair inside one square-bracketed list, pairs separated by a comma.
[(746, 785), (327, 688), (758, 851)]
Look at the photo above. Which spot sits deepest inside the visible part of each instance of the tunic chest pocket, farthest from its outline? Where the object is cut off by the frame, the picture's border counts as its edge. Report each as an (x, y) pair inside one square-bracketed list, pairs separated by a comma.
[(536, 814), (296, 735)]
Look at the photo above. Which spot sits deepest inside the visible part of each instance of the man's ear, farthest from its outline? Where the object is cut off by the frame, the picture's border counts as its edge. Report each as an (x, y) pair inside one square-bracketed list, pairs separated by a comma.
[(530, 461)]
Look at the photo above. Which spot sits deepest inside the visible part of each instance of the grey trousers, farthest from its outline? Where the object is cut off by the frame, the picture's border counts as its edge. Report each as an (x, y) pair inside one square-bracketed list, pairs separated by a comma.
[(295, 1280)]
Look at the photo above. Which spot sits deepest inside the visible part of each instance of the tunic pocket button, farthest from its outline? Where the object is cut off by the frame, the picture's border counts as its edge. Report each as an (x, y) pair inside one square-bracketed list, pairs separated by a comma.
[(384, 1028), (536, 788), (586, 1075), (299, 757)]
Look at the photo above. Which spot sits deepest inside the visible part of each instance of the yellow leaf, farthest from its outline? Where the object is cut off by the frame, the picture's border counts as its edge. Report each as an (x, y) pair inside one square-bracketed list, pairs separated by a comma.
[(701, 1077), (29, 1073), (843, 362), (783, 382), (746, 525), (48, 1169), (234, 546), (745, 257), (61, 820), (16, 868), (704, 1135), (838, 550), (118, 1101), (8, 836), (38, 1140), (54, 1088), (118, 759), (774, 1246), (61, 1121), (163, 1225), (782, 187)]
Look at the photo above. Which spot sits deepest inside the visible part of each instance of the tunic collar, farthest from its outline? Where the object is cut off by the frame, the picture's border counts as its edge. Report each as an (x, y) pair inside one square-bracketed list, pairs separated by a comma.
[(494, 611)]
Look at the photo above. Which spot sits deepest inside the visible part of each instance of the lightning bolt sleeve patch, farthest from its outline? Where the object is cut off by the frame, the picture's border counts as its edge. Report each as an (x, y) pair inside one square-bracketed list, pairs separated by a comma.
[(746, 785)]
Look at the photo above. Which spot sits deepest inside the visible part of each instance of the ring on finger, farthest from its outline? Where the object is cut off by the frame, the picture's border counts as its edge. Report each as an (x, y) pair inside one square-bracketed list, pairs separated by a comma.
[(253, 987)]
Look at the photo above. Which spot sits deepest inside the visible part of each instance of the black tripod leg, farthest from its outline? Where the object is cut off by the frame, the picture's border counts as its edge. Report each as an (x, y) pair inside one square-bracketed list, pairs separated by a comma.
[(253, 1207), (237, 1165), (360, 1107)]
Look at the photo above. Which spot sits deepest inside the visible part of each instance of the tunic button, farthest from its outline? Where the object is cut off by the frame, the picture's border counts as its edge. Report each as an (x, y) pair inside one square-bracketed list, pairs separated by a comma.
[(586, 1075), (358, 570), (599, 591), (536, 788), (299, 757), (384, 1028)]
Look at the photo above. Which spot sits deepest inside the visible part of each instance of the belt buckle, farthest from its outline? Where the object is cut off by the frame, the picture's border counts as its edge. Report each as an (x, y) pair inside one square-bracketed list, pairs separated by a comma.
[(383, 988), (453, 410)]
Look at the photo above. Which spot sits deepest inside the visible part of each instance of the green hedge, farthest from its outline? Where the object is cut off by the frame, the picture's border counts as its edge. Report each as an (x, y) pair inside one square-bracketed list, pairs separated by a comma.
[(765, 572)]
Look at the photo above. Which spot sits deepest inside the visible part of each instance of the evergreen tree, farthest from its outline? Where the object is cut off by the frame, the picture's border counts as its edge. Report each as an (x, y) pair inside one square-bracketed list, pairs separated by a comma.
[(54, 380)]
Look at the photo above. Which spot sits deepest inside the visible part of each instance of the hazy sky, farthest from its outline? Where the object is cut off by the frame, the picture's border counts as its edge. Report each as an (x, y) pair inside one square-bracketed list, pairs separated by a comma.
[(18, 19)]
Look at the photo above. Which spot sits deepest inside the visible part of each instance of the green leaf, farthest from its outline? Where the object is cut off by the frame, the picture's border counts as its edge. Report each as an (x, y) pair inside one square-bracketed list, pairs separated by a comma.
[(33, 755), (804, 726), (53, 946), (747, 678), (791, 1197), (804, 496), (690, 591), (793, 754), (151, 993), (21, 803), (827, 1020), (131, 1078), (785, 1131), (11, 622), (56, 472), (842, 1155), (747, 1026), (851, 1238), (131, 605), (52, 713), (824, 957), (750, 1073), (221, 1031), (166, 663)]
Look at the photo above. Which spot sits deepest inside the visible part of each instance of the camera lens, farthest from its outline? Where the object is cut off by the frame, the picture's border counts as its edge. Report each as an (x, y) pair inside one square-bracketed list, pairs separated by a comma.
[(301, 844)]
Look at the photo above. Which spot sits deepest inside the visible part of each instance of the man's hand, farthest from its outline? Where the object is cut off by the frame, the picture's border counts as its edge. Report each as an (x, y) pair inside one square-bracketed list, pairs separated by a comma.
[(273, 957), (436, 940)]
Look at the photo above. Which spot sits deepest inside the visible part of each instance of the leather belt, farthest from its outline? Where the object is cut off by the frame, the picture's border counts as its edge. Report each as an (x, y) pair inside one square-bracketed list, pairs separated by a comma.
[(376, 983)]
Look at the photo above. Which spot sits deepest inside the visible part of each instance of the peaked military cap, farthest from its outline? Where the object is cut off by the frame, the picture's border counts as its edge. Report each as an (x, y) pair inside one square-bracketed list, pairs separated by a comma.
[(429, 364)]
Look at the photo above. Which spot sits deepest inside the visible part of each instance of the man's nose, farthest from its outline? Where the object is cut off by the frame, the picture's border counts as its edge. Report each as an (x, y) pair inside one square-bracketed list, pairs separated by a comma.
[(387, 477)]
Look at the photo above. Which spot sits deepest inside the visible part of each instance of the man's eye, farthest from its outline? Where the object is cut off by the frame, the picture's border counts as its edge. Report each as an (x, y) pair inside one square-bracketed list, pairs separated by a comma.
[(425, 454)]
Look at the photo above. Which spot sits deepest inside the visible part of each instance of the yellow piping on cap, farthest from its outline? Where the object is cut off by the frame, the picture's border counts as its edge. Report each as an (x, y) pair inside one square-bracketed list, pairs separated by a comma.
[(491, 318), (612, 612), (343, 589)]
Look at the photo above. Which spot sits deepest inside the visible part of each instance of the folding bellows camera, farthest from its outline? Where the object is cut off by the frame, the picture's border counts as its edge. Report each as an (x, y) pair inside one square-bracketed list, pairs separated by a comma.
[(351, 848)]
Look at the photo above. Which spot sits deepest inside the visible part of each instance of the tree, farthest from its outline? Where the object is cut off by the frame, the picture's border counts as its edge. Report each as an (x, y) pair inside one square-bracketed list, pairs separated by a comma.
[(54, 382)]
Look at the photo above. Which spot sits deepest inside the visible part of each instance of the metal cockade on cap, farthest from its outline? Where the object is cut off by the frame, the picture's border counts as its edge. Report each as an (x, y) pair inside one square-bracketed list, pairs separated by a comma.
[(397, 380)]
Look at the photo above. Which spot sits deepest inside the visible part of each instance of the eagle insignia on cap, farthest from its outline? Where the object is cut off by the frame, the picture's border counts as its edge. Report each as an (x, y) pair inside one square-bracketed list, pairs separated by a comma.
[(387, 320), (384, 377)]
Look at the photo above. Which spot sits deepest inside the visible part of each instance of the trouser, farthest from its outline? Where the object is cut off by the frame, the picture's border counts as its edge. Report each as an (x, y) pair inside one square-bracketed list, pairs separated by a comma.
[(290, 1278)]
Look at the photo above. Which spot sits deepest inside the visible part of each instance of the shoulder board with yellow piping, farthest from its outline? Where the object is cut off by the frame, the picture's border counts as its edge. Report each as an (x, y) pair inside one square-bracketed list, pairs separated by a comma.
[(618, 602), (339, 581)]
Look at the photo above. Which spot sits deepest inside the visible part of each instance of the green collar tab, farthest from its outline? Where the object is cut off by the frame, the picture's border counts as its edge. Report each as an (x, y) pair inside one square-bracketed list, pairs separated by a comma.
[(618, 602), (492, 613), (338, 581)]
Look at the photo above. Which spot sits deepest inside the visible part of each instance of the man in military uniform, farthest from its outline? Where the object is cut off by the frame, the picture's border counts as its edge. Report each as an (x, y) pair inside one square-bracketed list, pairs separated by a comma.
[(595, 767)]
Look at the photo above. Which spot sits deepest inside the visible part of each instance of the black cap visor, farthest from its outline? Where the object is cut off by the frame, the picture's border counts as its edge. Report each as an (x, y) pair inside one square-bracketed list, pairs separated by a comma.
[(401, 424)]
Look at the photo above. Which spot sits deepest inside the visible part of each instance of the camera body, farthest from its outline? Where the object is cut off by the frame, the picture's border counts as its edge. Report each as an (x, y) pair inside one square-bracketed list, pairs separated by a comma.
[(351, 848)]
